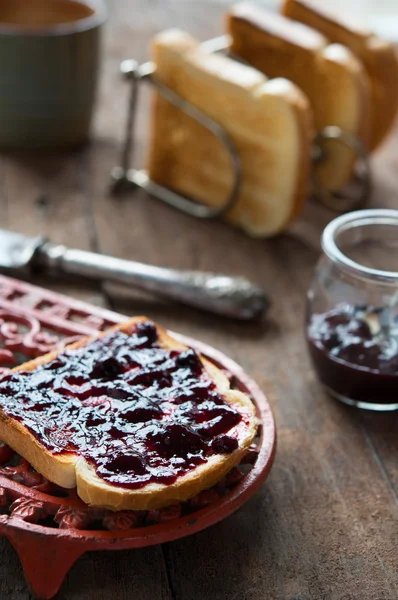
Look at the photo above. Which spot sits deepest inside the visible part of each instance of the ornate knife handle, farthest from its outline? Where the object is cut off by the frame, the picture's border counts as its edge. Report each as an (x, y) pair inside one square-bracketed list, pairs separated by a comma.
[(234, 297)]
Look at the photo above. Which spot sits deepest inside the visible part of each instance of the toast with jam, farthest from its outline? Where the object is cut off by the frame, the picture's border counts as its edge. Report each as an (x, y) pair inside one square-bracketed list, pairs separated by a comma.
[(131, 417), (378, 56), (331, 76), (269, 122)]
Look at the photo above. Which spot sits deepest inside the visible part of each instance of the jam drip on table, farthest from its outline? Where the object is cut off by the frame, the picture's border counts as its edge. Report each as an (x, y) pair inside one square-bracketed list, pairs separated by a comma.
[(355, 353), (138, 412)]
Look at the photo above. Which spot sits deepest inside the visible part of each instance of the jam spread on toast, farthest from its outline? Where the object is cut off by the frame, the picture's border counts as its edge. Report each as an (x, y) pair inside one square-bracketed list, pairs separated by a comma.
[(138, 412), (355, 353)]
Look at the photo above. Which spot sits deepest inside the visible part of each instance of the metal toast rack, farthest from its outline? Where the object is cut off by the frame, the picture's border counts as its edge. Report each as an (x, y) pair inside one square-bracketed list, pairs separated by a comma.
[(125, 177)]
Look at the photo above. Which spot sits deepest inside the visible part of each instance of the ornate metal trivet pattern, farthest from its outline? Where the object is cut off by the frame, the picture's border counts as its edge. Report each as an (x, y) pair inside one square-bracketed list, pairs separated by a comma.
[(50, 527)]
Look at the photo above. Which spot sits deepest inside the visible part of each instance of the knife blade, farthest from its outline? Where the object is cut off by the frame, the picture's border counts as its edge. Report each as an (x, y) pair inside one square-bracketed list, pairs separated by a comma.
[(17, 250), (234, 297)]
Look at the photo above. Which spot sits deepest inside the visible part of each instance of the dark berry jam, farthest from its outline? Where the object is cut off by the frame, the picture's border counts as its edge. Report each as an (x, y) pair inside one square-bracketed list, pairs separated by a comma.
[(355, 353), (138, 412)]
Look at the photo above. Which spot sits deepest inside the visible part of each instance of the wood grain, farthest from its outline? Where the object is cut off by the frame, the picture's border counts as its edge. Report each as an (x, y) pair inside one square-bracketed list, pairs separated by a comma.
[(325, 525)]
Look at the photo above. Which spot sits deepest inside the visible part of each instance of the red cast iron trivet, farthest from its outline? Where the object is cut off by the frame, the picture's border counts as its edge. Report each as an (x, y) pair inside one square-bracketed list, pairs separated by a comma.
[(50, 527)]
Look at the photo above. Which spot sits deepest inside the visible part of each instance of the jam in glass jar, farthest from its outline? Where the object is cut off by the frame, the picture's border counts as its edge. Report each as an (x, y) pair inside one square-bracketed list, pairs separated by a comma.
[(352, 310)]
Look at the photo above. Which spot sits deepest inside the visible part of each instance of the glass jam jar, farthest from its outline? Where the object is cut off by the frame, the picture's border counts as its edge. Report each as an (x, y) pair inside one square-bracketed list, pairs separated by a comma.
[(352, 310)]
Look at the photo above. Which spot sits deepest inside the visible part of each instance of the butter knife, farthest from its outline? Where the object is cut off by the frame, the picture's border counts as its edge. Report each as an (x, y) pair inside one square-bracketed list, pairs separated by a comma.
[(234, 297)]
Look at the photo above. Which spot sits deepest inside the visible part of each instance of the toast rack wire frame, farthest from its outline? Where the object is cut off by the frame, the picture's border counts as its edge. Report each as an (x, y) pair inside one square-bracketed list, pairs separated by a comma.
[(124, 177), (50, 528)]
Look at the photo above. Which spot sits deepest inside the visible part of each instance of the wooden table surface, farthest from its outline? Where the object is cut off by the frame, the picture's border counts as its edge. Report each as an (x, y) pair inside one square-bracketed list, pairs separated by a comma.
[(325, 524)]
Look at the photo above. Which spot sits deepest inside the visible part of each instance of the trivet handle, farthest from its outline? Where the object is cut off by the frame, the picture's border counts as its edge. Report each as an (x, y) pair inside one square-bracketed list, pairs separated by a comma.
[(45, 559), (234, 297)]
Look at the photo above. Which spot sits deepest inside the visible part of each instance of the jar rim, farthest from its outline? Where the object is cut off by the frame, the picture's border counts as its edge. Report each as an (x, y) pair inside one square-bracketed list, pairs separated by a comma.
[(350, 221)]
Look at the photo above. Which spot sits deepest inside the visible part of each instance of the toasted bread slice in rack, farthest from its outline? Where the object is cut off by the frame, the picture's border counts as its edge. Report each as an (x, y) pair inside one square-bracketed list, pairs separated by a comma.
[(132, 417), (378, 56), (268, 121), (330, 75)]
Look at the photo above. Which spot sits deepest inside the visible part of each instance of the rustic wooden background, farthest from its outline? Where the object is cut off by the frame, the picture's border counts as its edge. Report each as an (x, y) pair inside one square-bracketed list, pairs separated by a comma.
[(325, 524)]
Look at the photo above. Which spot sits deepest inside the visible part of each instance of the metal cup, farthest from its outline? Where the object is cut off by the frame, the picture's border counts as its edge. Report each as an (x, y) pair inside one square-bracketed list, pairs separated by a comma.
[(49, 60)]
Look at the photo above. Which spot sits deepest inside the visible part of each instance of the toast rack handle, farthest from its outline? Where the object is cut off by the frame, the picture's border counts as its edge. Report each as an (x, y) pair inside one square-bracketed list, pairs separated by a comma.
[(234, 297), (338, 200), (123, 176)]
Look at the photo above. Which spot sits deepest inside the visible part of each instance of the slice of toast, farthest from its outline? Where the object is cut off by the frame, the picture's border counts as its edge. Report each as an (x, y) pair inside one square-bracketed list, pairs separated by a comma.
[(131, 417), (269, 122), (378, 56), (330, 75)]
